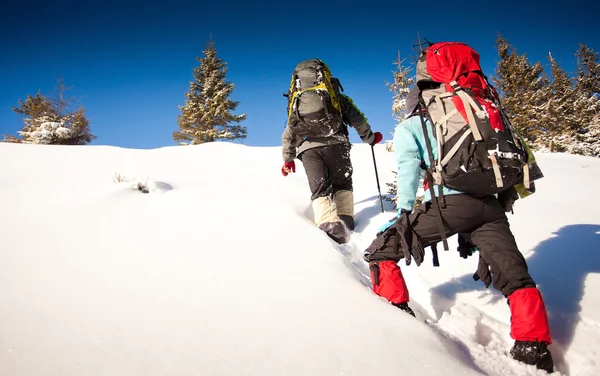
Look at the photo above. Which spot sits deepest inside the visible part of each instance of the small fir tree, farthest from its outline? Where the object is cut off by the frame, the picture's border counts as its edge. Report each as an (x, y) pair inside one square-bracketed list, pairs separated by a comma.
[(52, 121), (588, 70), (403, 81), (569, 110), (36, 110), (207, 115), (523, 88), (392, 191)]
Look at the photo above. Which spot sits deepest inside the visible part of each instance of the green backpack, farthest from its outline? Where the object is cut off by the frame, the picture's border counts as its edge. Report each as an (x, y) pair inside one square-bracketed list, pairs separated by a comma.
[(313, 101)]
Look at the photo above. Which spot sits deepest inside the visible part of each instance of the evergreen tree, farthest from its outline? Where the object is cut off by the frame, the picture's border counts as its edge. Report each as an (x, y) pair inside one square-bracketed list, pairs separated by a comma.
[(524, 90), (392, 191), (588, 81), (206, 115), (588, 69), (51, 120), (403, 81), (589, 142), (34, 109), (561, 104), (79, 125), (74, 120), (571, 110)]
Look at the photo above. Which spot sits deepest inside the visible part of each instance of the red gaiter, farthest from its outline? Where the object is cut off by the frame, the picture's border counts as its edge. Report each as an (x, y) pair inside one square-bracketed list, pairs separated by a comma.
[(388, 282), (529, 321)]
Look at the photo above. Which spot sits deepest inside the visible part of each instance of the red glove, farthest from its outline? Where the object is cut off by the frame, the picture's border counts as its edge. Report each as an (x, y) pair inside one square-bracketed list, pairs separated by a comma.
[(378, 138), (288, 167)]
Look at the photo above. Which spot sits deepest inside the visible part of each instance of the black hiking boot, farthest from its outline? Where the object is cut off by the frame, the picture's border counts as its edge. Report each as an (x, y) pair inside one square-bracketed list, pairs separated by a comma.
[(336, 231), (405, 308), (533, 353)]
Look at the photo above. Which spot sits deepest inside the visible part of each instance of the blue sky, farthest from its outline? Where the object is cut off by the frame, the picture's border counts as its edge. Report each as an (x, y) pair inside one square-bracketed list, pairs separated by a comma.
[(130, 63)]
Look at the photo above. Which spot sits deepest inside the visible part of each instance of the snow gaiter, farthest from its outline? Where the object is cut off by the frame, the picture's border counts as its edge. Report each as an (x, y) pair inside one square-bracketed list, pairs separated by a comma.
[(344, 201), (529, 321), (388, 281)]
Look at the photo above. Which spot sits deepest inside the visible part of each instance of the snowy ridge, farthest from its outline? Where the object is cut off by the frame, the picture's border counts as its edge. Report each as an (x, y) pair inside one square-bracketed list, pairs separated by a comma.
[(218, 270)]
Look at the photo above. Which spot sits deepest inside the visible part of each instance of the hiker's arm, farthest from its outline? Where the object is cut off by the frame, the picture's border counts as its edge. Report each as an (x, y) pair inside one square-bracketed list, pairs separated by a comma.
[(356, 119), (288, 145), (408, 160)]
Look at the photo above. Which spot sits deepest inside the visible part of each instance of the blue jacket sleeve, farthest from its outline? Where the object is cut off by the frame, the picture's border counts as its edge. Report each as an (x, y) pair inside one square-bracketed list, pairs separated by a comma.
[(408, 159)]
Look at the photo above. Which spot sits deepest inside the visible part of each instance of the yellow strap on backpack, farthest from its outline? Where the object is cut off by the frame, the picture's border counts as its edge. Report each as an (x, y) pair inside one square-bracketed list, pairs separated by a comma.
[(325, 85)]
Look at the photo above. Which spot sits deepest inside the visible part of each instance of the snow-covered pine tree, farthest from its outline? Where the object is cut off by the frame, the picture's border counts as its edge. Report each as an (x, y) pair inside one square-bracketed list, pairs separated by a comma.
[(392, 191), (588, 69), (570, 112), (403, 81), (206, 115), (51, 121), (36, 110), (79, 126), (589, 142), (523, 88)]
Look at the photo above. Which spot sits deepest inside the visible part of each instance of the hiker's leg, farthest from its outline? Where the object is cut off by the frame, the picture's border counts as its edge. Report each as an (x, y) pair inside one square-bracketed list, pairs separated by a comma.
[(344, 201), (337, 158), (386, 277), (498, 248), (317, 172), (529, 322), (324, 207), (509, 272)]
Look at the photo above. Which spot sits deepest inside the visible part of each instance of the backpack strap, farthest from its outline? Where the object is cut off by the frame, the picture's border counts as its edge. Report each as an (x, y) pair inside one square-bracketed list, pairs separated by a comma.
[(429, 177), (455, 148), (469, 104), (496, 168), (338, 83)]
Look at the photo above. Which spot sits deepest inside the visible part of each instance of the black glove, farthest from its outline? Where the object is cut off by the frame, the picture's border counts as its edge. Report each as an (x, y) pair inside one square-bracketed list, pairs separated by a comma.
[(465, 247), (483, 272), (395, 242), (409, 241)]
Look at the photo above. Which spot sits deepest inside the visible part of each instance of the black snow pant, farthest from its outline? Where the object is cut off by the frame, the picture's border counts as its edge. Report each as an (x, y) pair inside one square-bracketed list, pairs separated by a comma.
[(483, 222), (328, 169)]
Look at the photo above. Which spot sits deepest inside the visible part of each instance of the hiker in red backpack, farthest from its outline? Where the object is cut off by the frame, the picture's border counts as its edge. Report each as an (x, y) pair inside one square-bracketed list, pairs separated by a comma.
[(479, 218), (317, 135)]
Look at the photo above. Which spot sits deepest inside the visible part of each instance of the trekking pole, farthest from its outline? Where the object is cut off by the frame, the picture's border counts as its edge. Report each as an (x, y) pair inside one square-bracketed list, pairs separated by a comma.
[(377, 177)]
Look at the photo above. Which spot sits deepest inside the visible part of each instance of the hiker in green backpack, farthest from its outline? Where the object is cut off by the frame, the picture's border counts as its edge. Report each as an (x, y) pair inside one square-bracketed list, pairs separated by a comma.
[(317, 134)]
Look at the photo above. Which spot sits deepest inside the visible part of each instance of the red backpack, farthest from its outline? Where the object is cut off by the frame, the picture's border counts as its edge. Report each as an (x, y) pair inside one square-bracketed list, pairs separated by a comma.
[(478, 150)]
